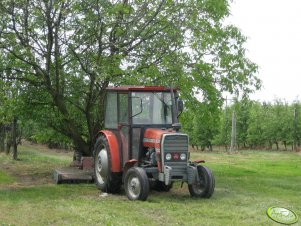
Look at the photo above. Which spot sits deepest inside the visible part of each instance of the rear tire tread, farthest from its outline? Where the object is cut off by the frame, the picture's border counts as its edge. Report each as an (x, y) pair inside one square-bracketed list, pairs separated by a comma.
[(114, 181)]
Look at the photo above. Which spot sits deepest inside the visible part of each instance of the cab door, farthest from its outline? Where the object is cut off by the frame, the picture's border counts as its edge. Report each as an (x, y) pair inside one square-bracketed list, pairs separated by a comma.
[(117, 120), (123, 124)]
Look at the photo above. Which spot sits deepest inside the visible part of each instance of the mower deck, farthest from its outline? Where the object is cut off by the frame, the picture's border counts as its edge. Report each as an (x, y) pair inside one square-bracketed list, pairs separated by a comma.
[(69, 175)]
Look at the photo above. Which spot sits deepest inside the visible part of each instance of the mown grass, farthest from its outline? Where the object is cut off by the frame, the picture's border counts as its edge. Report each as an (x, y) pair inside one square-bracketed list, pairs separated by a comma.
[(5, 178), (247, 183)]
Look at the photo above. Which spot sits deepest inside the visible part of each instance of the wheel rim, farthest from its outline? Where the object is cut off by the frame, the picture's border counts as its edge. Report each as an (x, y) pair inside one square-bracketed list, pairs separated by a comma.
[(134, 186), (200, 186), (102, 166)]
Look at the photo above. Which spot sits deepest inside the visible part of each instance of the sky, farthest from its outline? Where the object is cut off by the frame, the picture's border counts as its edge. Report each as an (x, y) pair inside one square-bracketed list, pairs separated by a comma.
[(273, 29)]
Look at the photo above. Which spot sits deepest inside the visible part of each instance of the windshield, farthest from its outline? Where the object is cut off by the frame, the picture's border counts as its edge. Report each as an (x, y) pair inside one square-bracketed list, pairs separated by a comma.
[(151, 108)]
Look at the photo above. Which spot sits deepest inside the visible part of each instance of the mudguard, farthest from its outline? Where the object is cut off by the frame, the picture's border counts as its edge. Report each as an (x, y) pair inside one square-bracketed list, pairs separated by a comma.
[(114, 150)]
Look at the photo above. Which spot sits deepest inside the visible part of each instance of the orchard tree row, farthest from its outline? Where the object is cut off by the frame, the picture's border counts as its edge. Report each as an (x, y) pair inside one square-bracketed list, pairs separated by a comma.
[(274, 125)]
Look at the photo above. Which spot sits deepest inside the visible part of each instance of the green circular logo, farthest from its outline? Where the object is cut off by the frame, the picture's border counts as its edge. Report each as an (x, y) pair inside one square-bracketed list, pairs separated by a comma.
[(282, 215)]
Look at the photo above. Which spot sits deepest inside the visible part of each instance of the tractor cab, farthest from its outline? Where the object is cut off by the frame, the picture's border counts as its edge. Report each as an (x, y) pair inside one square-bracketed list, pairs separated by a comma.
[(142, 107), (141, 144), (131, 110)]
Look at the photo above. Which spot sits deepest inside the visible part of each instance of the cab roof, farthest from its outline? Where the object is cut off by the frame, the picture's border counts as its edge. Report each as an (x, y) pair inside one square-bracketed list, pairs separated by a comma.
[(139, 88)]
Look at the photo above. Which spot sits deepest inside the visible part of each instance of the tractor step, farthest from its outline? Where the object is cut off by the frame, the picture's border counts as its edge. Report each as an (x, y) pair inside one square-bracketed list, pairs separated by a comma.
[(68, 175)]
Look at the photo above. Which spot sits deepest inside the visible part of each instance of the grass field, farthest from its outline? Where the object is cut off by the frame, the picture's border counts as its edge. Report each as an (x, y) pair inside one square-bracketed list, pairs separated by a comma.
[(247, 183)]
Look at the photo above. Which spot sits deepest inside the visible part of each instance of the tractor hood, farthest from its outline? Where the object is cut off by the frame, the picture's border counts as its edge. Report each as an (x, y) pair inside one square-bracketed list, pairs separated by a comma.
[(152, 137)]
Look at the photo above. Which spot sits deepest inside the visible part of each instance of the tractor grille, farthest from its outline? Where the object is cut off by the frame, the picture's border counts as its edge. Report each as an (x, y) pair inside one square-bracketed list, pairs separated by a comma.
[(175, 145)]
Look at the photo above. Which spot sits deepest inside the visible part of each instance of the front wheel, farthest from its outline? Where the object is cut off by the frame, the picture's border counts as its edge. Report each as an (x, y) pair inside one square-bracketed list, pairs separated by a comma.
[(204, 187), (136, 184)]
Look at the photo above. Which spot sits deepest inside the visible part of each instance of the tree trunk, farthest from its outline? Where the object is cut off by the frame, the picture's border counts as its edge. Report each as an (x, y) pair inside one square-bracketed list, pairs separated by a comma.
[(270, 145), (8, 145), (285, 145), (210, 146), (277, 146), (14, 139), (70, 128), (2, 138), (233, 133), (245, 145)]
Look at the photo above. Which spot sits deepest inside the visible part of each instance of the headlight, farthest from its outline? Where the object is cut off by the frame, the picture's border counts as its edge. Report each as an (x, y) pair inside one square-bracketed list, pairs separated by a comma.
[(168, 156), (183, 156)]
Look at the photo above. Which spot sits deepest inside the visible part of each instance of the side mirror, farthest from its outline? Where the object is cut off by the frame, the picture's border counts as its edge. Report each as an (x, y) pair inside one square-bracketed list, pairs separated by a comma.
[(180, 105)]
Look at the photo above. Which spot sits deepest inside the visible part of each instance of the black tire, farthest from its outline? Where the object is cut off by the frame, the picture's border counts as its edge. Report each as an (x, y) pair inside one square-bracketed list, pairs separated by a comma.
[(205, 188), (161, 186), (136, 184), (105, 180)]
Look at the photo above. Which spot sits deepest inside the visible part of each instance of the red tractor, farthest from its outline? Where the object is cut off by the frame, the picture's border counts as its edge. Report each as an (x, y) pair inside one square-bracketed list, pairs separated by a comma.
[(142, 147)]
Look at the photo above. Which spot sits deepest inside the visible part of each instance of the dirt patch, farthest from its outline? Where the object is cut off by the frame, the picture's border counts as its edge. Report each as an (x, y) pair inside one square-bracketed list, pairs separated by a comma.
[(45, 149), (28, 171), (25, 178)]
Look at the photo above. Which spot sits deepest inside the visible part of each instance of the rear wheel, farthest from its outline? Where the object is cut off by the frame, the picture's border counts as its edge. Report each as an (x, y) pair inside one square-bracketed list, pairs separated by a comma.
[(204, 188), (105, 180), (136, 184)]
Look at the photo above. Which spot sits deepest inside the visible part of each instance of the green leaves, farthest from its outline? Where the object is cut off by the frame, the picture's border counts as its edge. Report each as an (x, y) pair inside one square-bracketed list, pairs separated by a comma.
[(69, 51)]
